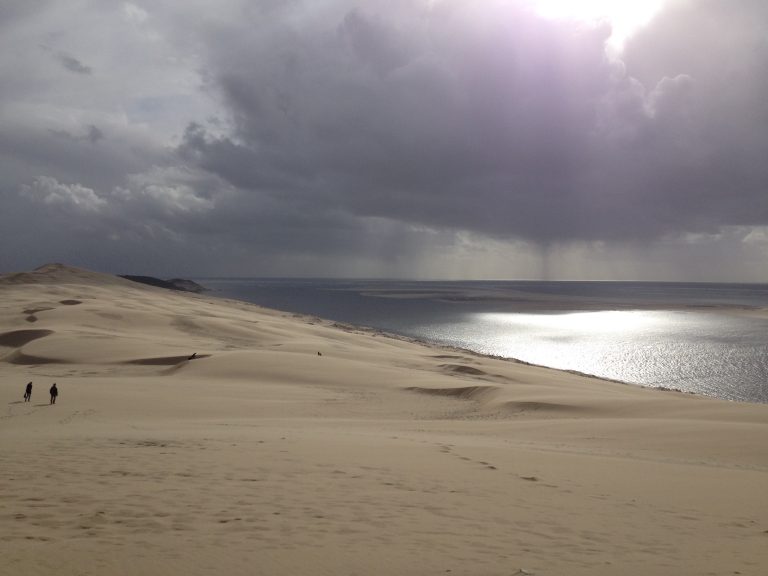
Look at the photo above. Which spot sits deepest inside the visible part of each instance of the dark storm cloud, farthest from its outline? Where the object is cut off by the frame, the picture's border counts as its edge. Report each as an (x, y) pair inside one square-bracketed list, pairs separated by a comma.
[(308, 136), (495, 120), (476, 125)]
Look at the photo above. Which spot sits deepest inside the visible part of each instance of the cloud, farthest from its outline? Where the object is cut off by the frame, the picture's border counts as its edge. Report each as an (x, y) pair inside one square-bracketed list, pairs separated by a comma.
[(134, 13), (163, 193), (354, 135), (73, 64), (67, 196), (453, 131), (67, 61), (91, 134)]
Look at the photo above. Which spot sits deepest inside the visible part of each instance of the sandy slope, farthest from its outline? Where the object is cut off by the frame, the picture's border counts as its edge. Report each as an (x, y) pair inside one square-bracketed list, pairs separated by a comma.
[(378, 456)]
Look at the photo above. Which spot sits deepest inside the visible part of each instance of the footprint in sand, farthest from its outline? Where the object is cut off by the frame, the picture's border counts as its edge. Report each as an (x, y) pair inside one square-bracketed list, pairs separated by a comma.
[(448, 449)]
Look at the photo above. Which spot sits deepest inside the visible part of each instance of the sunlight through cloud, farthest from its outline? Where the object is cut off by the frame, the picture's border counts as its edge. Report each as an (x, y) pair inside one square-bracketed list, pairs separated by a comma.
[(625, 17)]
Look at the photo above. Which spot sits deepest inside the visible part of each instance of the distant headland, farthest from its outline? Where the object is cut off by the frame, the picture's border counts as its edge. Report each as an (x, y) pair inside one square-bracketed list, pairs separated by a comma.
[(180, 284)]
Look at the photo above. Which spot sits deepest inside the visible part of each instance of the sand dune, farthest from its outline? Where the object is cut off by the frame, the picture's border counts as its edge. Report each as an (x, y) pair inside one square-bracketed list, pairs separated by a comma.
[(378, 456)]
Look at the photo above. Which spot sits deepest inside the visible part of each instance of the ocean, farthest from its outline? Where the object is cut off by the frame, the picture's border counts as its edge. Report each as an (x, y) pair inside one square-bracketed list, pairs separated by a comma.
[(697, 338)]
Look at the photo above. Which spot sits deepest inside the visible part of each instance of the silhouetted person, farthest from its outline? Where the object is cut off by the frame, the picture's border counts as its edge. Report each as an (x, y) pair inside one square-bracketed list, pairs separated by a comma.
[(28, 393), (54, 392), (193, 356)]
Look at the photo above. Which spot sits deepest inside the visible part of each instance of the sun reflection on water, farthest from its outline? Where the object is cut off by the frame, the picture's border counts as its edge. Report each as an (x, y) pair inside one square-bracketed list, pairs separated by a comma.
[(609, 321), (675, 349)]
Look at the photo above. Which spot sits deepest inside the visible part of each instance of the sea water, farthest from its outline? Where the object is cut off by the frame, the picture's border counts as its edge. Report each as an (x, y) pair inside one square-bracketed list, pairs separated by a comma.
[(698, 338)]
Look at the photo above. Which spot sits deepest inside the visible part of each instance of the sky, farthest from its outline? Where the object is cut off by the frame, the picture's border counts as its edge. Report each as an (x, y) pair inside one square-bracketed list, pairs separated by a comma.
[(427, 139)]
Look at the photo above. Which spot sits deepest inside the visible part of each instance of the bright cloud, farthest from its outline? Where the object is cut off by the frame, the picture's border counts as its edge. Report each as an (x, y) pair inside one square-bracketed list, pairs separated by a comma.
[(53, 193)]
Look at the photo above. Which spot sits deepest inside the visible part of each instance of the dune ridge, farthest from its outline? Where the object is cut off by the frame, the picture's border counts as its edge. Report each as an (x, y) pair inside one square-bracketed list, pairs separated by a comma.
[(291, 445)]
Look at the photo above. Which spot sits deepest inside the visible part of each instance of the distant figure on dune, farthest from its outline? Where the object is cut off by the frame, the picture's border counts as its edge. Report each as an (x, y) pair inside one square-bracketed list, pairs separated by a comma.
[(193, 356), (54, 392), (28, 393)]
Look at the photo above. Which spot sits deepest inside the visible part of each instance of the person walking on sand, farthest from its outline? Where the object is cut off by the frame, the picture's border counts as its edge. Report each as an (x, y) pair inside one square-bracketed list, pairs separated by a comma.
[(54, 392), (28, 393)]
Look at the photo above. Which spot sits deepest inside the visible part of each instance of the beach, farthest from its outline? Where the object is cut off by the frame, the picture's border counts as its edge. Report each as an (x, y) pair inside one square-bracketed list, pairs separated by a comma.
[(292, 445), (701, 338)]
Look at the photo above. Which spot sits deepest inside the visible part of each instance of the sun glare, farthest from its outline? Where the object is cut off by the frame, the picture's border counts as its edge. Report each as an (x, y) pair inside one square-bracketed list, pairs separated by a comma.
[(625, 16), (603, 321)]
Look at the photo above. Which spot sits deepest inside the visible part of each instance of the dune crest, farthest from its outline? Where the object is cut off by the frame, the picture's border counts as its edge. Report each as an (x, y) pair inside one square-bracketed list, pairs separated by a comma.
[(56, 273)]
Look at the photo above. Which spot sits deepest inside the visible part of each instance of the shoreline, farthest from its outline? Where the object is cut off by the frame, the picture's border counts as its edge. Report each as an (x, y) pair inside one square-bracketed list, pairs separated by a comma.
[(535, 308), (289, 446)]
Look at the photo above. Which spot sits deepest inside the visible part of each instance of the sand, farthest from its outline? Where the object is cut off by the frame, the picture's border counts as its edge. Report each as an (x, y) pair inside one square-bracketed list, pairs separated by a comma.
[(377, 456)]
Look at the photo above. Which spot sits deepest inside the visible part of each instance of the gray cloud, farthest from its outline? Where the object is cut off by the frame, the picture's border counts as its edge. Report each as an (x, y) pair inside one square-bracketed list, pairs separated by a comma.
[(91, 134), (496, 121), (72, 64), (398, 138)]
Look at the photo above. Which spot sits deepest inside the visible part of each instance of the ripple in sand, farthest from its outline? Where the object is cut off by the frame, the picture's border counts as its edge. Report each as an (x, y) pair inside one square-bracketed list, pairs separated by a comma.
[(464, 393)]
